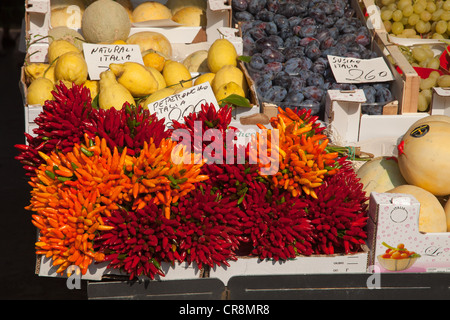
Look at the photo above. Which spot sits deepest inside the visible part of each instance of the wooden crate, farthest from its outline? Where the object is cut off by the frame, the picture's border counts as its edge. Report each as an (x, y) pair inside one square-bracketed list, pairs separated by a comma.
[(406, 85)]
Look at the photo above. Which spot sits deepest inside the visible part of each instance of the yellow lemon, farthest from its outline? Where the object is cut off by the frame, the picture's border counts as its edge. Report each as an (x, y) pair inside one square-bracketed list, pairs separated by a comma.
[(71, 67), (39, 91), (206, 77), (154, 59), (222, 52), (38, 70), (177, 75), (112, 94), (158, 77), (227, 74), (93, 86), (227, 89), (135, 77), (58, 47), (158, 95)]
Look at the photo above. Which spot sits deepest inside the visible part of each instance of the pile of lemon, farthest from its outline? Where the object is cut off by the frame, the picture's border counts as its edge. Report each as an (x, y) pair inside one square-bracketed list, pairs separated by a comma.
[(132, 82)]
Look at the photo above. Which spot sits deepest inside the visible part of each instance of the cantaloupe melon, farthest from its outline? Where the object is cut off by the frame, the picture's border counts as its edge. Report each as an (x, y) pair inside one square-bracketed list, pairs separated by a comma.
[(151, 10), (424, 156), (151, 40), (447, 214), (432, 215), (105, 21), (175, 5), (190, 17), (380, 175)]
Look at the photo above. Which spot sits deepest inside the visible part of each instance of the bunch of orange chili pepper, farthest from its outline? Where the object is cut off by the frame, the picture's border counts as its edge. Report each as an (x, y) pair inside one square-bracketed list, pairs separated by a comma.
[(71, 192), (163, 174), (302, 155)]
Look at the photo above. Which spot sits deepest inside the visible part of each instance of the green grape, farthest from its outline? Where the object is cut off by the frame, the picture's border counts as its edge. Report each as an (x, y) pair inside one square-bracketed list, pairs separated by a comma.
[(446, 5), (445, 16), (427, 83), (407, 11), (386, 15), (392, 7), (421, 26), (423, 64), (387, 25), (397, 15), (439, 3), (425, 16), (443, 81), (403, 4), (431, 7), (397, 27), (386, 2), (433, 63), (419, 54), (418, 7), (422, 103), (409, 33), (434, 74), (436, 16), (441, 26), (427, 93), (413, 19), (428, 50), (448, 27), (438, 36)]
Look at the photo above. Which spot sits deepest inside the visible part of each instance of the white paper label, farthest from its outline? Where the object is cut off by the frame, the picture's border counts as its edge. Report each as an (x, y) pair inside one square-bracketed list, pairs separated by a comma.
[(177, 106), (99, 56), (354, 70)]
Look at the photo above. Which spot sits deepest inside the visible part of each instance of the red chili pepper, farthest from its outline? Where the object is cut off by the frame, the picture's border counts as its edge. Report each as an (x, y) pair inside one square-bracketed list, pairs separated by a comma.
[(401, 148)]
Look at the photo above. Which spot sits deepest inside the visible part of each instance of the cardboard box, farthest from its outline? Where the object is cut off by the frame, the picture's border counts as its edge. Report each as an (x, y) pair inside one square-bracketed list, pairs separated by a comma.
[(394, 219), (316, 264), (96, 272), (376, 134), (440, 101)]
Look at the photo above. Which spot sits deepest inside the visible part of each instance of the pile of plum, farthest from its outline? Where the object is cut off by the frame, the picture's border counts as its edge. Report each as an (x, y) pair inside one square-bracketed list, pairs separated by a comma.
[(289, 41)]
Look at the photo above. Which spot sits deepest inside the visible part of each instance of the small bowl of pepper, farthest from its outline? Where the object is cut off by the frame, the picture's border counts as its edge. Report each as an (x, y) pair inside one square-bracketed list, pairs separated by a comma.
[(397, 259)]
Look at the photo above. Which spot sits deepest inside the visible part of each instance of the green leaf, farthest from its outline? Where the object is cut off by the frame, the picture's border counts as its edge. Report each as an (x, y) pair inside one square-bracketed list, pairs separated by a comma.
[(95, 104), (237, 100), (245, 58)]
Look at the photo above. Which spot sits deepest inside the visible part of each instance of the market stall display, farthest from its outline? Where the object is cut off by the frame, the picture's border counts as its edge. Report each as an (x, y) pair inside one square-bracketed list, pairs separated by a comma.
[(129, 173)]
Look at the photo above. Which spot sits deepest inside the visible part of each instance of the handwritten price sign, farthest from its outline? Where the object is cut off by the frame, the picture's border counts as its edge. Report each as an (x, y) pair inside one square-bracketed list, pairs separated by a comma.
[(353, 70), (177, 106), (99, 56)]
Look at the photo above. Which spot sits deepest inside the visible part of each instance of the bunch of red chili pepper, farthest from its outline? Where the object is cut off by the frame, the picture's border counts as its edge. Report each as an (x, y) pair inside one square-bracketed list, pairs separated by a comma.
[(65, 119)]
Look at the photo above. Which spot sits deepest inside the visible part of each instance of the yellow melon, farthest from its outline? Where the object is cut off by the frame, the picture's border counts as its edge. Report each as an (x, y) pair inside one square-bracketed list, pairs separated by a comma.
[(431, 215), (175, 5), (151, 40), (380, 175), (151, 10), (423, 156), (190, 17)]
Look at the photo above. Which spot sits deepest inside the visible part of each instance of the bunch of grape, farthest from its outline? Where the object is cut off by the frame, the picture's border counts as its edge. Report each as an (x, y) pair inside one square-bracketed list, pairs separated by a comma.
[(435, 79), (416, 18), (289, 41), (421, 56)]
